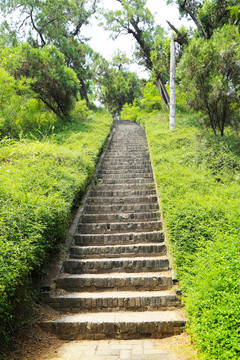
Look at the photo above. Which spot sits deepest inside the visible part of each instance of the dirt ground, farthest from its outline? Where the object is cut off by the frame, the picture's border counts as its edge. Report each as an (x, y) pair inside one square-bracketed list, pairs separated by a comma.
[(32, 343)]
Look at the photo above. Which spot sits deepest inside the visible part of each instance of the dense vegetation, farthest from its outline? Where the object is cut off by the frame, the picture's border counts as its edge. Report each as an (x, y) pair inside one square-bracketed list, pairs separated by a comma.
[(50, 140), (40, 179), (197, 175)]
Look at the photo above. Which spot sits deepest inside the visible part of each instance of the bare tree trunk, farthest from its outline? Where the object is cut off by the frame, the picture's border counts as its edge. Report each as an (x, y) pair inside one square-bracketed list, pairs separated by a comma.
[(172, 85)]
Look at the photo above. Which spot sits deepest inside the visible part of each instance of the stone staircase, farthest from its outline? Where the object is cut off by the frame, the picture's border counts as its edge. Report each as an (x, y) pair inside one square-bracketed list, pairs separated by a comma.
[(116, 281)]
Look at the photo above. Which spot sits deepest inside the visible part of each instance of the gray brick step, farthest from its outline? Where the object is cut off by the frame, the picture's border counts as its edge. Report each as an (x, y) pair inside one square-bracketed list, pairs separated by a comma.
[(114, 301), (118, 238), (121, 217), (122, 163), (115, 281), (124, 186), (128, 158), (112, 251), (121, 208), (123, 200), (124, 175), (116, 227), (125, 170), (130, 180), (125, 264), (118, 325), (122, 193)]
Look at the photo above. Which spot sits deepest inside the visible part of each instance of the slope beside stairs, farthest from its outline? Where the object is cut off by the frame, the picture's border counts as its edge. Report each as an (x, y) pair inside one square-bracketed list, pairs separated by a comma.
[(116, 281)]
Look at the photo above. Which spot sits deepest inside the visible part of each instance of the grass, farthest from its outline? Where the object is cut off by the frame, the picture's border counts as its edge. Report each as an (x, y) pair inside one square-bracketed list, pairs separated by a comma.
[(39, 183), (197, 175)]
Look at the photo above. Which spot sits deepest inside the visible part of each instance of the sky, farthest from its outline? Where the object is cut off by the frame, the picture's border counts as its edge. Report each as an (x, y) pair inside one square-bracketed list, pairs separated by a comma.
[(103, 44)]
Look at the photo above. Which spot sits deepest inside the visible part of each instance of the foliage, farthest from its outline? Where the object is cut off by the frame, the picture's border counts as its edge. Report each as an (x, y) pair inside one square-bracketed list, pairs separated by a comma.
[(52, 81), (210, 73), (160, 55), (118, 86), (20, 112), (81, 112), (198, 179), (47, 22), (215, 14), (134, 18), (53, 22), (39, 182), (149, 103)]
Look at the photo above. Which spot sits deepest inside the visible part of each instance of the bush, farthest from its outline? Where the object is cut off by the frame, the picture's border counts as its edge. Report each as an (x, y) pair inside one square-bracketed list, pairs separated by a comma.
[(20, 111), (198, 179), (149, 103), (39, 182)]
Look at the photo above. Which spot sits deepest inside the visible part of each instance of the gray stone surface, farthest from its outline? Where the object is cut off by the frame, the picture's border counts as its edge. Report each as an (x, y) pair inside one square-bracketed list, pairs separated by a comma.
[(117, 282)]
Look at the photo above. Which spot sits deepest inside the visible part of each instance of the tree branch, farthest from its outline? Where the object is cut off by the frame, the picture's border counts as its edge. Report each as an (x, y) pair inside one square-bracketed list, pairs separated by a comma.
[(23, 22), (180, 39), (35, 28), (191, 12)]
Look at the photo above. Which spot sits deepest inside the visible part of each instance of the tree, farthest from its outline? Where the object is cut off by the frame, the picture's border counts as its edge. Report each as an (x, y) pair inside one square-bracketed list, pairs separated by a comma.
[(207, 15), (57, 22), (52, 81), (210, 75), (118, 86), (135, 19)]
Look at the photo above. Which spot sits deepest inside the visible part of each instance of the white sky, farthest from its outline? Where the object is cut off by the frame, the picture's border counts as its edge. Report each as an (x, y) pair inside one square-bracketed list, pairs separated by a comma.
[(103, 44)]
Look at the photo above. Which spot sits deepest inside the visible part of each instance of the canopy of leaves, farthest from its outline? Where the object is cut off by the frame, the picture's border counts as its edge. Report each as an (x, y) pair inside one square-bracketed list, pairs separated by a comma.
[(48, 21), (210, 75), (55, 22), (118, 86), (52, 81)]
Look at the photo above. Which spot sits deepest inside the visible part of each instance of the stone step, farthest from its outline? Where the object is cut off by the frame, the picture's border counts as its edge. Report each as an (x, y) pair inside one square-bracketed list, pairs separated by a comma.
[(130, 180), (75, 302), (121, 150), (121, 217), (140, 156), (122, 193), (115, 281), (124, 187), (123, 200), (111, 251), (124, 264), (115, 175), (118, 325), (119, 238), (116, 227), (121, 208), (125, 170), (122, 163)]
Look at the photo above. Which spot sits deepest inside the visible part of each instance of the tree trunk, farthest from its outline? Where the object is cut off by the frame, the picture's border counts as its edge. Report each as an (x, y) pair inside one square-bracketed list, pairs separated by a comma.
[(83, 92), (162, 91), (172, 85)]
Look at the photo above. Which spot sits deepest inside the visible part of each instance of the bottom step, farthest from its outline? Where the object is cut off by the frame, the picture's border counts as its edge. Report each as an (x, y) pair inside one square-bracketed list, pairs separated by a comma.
[(117, 325)]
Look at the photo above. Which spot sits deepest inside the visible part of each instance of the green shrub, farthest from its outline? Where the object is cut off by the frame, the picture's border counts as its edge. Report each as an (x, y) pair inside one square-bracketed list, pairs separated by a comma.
[(39, 183), (20, 112), (198, 179)]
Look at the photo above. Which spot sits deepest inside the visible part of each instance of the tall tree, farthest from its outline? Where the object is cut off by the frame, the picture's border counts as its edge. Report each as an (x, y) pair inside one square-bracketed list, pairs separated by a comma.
[(57, 22), (135, 19), (210, 76)]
